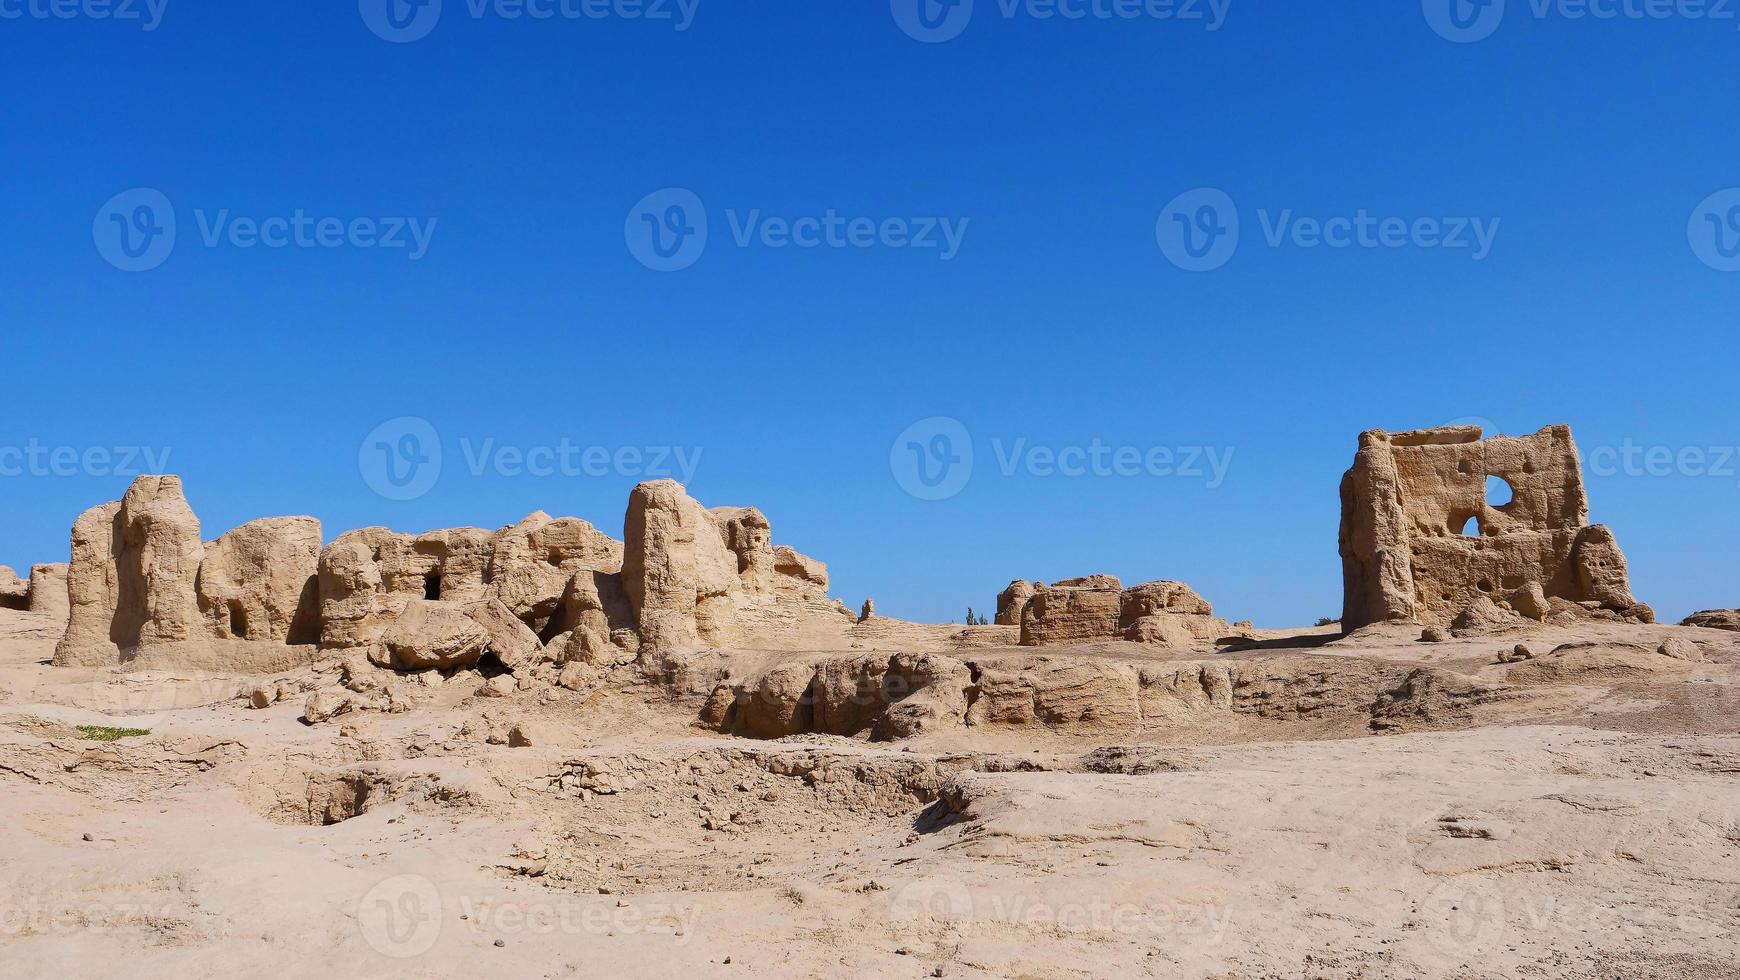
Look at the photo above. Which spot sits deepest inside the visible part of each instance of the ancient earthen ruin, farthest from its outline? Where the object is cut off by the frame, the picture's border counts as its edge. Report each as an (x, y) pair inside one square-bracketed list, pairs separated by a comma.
[(1098, 607), (1718, 619), (144, 588), (1422, 541), (44, 592)]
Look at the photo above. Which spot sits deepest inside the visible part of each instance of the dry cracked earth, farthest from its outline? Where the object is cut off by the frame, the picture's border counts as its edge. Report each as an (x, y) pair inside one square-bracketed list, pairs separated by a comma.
[(1369, 806)]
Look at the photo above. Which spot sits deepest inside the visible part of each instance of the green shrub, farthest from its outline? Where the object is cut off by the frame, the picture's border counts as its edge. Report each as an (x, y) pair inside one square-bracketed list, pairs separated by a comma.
[(100, 733)]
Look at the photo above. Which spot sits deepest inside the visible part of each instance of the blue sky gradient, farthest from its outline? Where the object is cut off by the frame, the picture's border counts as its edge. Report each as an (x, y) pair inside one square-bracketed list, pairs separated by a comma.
[(1586, 146)]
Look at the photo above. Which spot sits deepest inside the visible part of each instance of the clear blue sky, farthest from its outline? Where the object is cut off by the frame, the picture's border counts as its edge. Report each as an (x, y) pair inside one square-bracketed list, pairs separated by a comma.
[(1059, 320)]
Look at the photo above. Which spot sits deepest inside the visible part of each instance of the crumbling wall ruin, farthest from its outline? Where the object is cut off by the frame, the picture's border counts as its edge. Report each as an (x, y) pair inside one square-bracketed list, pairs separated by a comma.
[(1012, 601), (144, 589), (1098, 608), (714, 578), (684, 577), (48, 590), (14, 591), (1421, 541)]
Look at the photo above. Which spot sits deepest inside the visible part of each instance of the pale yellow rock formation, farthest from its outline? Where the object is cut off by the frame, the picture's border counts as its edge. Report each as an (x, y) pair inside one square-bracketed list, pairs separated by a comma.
[(679, 575), (1421, 541), (144, 589), (259, 582), (712, 578), (14, 591), (1012, 601), (430, 635), (48, 594), (1716, 619), (533, 565), (1097, 608), (1073, 611)]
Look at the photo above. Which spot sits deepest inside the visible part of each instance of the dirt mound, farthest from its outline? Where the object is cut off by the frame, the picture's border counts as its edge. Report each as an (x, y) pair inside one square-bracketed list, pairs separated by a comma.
[(1595, 661)]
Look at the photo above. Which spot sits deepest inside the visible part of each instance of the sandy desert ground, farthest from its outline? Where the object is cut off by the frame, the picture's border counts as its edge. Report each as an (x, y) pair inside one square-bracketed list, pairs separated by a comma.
[(1368, 806)]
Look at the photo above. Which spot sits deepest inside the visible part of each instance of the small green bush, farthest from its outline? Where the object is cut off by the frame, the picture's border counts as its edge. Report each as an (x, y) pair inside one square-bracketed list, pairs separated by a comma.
[(100, 733)]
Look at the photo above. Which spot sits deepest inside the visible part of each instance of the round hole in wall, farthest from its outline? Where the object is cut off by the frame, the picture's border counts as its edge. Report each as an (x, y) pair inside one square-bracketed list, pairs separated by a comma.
[(1499, 492)]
